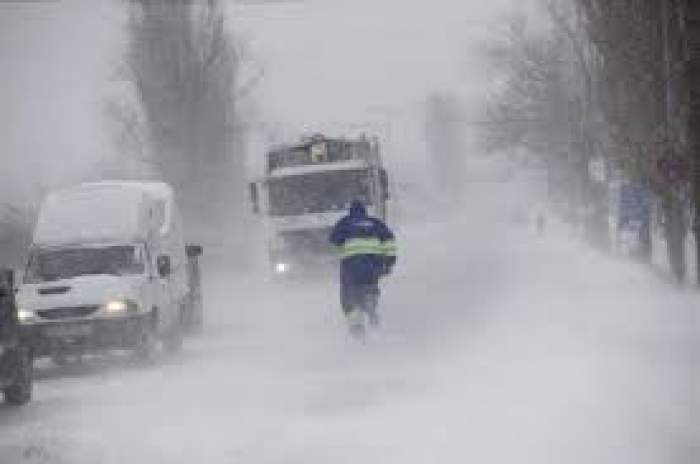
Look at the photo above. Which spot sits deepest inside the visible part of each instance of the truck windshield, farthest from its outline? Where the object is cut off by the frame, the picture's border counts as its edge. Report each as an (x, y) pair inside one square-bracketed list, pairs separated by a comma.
[(64, 263), (318, 192)]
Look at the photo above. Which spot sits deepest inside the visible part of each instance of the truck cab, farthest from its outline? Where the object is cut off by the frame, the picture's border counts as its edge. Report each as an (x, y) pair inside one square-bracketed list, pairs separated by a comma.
[(307, 188)]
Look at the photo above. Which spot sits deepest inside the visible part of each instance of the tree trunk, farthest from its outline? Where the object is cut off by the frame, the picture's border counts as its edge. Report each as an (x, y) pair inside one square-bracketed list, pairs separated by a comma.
[(674, 229), (645, 245), (692, 27), (599, 226)]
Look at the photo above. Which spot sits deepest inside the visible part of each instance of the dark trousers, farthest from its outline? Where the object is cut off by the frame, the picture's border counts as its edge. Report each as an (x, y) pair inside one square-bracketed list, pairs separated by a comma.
[(359, 285), (360, 296)]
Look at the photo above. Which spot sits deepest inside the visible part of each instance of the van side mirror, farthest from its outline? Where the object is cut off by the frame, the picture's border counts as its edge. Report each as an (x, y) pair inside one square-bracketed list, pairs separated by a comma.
[(254, 198), (194, 251), (164, 266)]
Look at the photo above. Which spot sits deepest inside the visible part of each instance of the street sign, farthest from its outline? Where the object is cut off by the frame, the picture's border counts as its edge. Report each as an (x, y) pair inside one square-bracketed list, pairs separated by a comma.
[(596, 169), (635, 207), (672, 168)]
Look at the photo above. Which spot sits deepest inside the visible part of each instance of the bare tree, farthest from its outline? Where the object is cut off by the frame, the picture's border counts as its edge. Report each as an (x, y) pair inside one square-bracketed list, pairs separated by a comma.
[(127, 124), (185, 67), (640, 96), (544, 102), (632, 98), (530, 105)]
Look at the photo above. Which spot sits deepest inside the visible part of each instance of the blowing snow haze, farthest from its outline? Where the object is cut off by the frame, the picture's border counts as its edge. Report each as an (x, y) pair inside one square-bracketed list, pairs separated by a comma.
[(524, 288), (56, 59), (386, 56)]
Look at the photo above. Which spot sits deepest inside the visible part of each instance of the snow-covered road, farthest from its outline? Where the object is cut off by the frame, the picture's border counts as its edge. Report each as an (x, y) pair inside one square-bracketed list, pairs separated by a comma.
[(498, 347)]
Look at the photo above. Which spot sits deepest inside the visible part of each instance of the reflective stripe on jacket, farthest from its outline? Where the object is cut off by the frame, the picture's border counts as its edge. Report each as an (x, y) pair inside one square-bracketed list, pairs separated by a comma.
[(361, 246), (366, 246), (389, 247)]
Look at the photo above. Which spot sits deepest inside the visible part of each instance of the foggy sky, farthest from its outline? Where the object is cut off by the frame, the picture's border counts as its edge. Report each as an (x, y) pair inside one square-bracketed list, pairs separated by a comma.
[(361, 55), (339, 67), (55, 62), (330, 65)]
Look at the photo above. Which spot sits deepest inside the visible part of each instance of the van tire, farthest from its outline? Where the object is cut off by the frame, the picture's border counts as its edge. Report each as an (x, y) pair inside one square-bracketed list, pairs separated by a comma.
[(20, 392)]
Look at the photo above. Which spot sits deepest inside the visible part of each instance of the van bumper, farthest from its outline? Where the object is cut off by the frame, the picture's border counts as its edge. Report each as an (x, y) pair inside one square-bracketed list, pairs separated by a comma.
[(83, 335), (10, 364)]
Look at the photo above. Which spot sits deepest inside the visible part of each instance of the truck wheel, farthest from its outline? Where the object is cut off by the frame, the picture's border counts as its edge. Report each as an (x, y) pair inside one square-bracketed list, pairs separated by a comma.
[(196, 314), (198, 324), (172, 342), (20, 392), (147, 344)]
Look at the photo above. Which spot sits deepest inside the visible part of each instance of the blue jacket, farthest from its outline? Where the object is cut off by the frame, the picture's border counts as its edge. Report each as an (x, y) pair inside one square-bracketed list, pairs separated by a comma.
[(367, 246)]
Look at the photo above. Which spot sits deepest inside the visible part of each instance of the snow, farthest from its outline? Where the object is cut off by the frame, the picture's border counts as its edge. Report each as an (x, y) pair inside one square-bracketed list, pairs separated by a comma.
[(159, 191), (90, 214), (498, 346), (100, 212)]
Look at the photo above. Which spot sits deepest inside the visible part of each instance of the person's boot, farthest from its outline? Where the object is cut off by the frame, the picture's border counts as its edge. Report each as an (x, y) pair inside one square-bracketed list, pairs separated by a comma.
[(356, 323)]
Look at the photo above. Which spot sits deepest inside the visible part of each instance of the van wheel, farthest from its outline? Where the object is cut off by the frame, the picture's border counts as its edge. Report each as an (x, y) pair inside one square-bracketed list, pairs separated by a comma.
[(20, 392), (147, 344)]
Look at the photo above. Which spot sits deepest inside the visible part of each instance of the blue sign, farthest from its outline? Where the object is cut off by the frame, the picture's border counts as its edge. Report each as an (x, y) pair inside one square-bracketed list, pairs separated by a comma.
[(635, 209)]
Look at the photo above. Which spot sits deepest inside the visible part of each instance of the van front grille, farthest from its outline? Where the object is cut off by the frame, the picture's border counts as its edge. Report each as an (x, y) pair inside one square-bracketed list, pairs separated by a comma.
[(67, 312)]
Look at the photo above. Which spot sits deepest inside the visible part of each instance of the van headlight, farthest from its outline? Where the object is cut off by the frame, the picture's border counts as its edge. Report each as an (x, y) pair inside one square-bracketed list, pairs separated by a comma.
[(25, 315), (119, 306)]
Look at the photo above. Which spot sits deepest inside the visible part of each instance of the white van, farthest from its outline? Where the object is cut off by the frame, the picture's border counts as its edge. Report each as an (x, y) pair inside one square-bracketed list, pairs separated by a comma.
[(107, 269)]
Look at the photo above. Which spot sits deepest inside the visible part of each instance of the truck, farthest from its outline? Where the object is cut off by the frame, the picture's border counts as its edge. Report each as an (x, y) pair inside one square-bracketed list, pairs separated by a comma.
[(108, 269), (307, 187), (15, 355)]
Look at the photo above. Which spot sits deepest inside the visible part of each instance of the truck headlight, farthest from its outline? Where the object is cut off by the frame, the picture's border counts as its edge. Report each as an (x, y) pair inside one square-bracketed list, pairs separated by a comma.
[(25, 315), (281, 268), (119, 306)]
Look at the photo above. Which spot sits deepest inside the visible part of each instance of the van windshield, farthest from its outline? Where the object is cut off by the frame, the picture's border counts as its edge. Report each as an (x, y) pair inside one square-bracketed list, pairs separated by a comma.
[(64, 263)]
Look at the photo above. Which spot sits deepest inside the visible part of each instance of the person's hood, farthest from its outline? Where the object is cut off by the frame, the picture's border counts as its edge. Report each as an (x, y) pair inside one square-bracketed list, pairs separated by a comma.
[(357, 209)]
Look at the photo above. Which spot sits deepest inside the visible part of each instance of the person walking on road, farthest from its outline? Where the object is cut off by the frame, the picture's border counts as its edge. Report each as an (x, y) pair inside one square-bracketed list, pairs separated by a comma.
[(368, 252)]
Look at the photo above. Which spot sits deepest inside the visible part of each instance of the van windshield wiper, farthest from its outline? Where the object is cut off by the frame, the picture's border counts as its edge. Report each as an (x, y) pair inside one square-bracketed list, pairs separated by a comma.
[(102, 273)]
